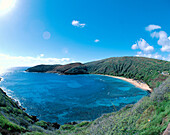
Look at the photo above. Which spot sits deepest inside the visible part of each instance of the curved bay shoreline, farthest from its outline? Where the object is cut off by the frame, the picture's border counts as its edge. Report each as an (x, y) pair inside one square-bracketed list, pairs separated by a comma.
[(136, 83)]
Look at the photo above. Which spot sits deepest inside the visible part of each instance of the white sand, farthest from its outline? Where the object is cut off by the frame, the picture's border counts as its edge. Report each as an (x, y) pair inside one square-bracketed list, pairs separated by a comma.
[(137, 83)]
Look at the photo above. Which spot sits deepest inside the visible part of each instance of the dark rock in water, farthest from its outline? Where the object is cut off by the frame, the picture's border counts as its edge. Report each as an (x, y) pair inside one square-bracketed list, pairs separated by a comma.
[(17, 102), (72, 123), (56, 125), (149, 91), (23, 109), (34, 118)]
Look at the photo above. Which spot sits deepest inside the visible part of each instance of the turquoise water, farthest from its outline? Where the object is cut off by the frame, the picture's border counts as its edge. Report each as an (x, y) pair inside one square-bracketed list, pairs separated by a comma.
[(62, 99)]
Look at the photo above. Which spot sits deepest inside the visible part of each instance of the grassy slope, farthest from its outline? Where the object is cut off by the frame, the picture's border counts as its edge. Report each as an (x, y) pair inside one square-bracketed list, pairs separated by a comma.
[(145, 69), (12, 118)]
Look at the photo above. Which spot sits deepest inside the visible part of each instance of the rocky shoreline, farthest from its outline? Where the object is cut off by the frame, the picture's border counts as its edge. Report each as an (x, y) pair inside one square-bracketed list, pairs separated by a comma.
[(12, 111)]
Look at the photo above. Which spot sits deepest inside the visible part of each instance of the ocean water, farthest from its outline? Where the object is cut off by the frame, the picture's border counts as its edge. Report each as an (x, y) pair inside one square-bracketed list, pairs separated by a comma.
[(62, 99)]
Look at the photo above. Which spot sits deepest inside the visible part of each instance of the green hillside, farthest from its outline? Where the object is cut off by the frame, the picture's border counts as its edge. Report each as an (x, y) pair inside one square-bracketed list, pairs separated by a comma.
[(42, 68), (144, 69), (13, 120)]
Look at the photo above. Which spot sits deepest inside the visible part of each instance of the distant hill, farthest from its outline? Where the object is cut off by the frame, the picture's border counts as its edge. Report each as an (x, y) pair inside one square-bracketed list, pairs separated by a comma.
[(140, 68), (61, 69), (42, 68)]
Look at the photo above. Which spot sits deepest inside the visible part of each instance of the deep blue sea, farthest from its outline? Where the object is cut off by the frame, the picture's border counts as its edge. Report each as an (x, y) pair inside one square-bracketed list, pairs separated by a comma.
[(66, 98)]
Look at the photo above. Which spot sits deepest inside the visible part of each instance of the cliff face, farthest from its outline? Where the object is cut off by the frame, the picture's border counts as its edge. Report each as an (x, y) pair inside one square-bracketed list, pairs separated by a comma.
[(13, 119), (144, 69)]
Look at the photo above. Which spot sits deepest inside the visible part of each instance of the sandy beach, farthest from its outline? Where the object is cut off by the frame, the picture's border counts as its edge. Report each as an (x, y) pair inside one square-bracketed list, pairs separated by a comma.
[(137, 83)]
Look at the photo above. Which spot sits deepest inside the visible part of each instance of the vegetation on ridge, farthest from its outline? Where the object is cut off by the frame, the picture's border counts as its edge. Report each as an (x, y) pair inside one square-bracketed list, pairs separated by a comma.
[(144, 69), (13, 120)]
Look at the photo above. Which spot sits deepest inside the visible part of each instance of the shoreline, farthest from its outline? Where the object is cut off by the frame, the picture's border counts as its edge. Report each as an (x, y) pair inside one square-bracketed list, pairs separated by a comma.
[(7, 92), (136, 83)]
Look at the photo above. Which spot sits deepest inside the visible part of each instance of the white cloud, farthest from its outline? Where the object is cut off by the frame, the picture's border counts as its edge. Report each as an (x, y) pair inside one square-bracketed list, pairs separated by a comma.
[(165, 48), (168, 58), (139, 53), (134, 47), (143, 45), (163, 41), (155, 56), (78, 24), (146, 49), (97, 40), (7, 61), (155, 34), (41, 55), (152, 27)]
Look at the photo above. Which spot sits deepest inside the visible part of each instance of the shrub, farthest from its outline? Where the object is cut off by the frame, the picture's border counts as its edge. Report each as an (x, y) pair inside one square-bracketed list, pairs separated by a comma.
[(67, 127), (42, 124), (6, 124)]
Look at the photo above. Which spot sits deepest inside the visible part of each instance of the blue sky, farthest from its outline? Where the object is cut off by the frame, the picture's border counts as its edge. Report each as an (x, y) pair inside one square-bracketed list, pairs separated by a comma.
[(63, 31)]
